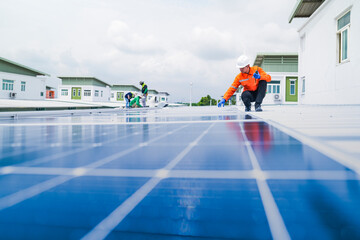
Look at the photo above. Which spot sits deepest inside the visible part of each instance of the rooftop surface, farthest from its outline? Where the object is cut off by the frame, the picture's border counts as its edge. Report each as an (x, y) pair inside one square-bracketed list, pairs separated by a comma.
[(182, 173)]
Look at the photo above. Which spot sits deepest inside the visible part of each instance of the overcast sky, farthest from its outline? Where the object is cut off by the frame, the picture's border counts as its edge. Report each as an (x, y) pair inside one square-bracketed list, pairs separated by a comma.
[(166, 43)]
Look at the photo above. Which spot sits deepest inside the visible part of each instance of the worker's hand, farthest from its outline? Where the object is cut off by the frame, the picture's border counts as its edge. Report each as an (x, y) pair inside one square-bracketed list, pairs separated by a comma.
[(256, 75), (222, 102)]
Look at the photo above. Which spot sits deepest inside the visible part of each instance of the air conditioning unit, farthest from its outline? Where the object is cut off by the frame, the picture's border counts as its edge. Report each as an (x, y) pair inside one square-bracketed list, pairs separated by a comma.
[(12, 95), (277, 97)]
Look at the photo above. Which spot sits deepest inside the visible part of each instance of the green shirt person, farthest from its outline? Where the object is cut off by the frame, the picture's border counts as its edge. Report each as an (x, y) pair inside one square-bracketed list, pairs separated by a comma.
[(135, 102)]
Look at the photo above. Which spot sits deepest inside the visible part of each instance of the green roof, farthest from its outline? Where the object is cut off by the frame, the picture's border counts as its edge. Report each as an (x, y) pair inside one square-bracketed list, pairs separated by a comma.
[(165, 93), (13, 67), (83, 81), (277, 62), (125, 87), (261, 55), (305, 8), (153, 91)]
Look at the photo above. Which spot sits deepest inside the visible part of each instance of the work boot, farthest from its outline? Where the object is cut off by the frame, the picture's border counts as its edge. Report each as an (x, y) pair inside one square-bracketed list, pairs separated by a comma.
[(258, 108), (247, 108)]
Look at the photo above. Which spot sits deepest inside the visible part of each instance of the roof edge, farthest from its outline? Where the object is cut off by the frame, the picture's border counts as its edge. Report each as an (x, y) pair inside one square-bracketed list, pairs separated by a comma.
[(297, 6), (314, 14), (85, 77), (23, 66)]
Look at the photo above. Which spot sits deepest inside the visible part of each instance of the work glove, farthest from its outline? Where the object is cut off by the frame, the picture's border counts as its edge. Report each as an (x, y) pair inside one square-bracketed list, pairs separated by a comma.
[(256, 75), (222, 102)]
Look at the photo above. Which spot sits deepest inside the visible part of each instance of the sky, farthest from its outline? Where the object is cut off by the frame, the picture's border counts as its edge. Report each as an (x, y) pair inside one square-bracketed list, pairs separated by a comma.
[(168, 44)]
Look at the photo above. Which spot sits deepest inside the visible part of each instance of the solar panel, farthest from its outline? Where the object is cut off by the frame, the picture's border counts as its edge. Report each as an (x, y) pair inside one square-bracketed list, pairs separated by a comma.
[(174, 173)]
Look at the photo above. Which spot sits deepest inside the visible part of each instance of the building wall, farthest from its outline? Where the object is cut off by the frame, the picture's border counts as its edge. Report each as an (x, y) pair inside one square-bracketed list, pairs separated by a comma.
[(163, 98), (104, 98), (53, 82), (114, 95), (35, 87), (327, 81), (281, 78)]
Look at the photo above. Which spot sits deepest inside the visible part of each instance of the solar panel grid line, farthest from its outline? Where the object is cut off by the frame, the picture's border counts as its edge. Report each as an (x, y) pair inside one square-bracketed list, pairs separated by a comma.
[(32, 149), (211, 174), (35, 150), (130, 123), (331, 151), (27, 145), (107, 225), (115, 156), (64, 154), (24, 194), (275, 220)]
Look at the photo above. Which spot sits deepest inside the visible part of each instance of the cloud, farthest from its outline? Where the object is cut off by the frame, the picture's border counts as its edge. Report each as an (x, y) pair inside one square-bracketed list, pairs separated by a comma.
[(274, 33), (212, 44), (166, 43), (127, 41)]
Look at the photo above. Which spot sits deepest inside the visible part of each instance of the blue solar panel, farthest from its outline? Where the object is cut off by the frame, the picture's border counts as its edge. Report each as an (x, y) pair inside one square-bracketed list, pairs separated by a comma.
[(198, 173)]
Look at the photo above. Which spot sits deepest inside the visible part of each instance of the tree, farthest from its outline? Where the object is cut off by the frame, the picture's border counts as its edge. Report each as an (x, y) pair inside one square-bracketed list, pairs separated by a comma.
[(205, 101)]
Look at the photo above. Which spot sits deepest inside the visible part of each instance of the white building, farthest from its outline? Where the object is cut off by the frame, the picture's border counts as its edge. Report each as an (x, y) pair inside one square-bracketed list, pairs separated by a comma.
[(329, 54), (153, 95), (164, 97), (283, 69), (118, 92), (84, 88), (21, 82)]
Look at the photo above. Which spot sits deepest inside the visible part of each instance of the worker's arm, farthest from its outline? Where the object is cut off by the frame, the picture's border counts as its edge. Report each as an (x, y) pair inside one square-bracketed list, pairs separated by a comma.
[(264, 75), (232, 89)]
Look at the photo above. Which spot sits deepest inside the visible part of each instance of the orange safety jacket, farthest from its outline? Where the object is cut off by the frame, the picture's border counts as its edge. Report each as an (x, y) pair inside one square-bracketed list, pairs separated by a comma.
[(247, 80)]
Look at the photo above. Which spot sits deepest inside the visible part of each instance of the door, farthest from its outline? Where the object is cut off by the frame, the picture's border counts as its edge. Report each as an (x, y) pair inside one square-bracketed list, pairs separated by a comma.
[(76, 93), (120, 96), (291, 89)]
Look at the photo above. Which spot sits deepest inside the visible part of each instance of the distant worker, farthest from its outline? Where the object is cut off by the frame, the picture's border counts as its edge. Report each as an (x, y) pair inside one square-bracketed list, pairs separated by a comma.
[(135, 102), (254, 80), (144, 91), (128, 97)]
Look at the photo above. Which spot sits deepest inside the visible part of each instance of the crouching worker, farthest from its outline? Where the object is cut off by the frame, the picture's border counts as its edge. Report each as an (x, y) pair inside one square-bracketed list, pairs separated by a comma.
[(135, 103), (128, 98), (253, 79)]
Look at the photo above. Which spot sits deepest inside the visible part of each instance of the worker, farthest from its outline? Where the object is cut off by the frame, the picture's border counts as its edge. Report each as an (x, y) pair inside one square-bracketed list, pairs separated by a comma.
[(253, 79), (135, 102), (128, 97), (144, 91)]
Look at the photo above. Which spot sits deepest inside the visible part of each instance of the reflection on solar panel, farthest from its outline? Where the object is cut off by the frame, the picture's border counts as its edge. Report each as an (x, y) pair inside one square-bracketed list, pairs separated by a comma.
[(169, 174)]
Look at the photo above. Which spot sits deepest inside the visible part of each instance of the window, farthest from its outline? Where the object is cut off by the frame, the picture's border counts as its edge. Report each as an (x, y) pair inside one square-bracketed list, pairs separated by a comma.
[(292, 87), (162, 99), (273, 88), (23, 86), (96, 93), (87, 93), (79, 92), (343, 28), (64, 92), (112, 95), (269, 88), (101, 93), (8, 85), (41, 94)]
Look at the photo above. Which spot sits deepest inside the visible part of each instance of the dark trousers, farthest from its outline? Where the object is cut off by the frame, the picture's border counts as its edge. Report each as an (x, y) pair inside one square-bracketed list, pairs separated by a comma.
[(256, 96)]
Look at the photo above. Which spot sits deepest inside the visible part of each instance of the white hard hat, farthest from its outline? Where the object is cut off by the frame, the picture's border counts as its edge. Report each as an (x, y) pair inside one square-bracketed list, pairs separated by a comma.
[(242, 61)]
